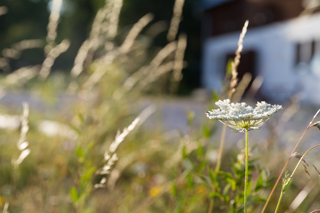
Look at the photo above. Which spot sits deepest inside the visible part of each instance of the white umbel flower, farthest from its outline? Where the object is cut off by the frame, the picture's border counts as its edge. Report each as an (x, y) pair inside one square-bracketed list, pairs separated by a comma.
[(239, 116)]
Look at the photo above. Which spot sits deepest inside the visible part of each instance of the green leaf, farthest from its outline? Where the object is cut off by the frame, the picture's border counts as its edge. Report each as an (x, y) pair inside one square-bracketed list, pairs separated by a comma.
[(174, 190), (79, 153), (76, 129), (206, 131), (229, 67), (190, 181), (216, 194), (215, 96), (259, 199), (80, 117), (88, 148), (259, 183), (200, 152), (88, 210), (190, 115), (184, 152), (249, 188), (226, 189), (87, 175), (226, 198), (205, 180), (74, 194), (213, 176), (202, 166), (229, 179)]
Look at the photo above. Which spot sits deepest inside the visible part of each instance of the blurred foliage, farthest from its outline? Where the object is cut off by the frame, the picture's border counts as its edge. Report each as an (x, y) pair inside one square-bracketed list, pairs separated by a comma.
[(28, 20)]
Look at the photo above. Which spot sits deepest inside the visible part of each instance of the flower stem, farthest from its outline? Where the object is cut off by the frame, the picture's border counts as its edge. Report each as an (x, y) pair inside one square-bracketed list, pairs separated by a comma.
[(279, 201), (288, 181), (223, 135), (246, 171)]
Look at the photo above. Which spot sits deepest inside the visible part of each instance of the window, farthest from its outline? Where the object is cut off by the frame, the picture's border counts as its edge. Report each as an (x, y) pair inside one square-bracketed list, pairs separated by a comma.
[(308, 57)]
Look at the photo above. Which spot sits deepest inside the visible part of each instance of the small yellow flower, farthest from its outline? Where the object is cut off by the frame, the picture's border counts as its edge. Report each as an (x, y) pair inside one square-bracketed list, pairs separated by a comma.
[(200, 189), (155, 191), (2, 201)]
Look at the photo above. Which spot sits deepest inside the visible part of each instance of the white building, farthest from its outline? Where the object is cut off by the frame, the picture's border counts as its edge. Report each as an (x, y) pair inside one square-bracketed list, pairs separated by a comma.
[(286, 54)]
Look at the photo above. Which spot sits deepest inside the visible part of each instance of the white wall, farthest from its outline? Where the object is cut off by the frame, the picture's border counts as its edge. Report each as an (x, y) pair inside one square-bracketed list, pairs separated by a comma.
[(275, 45)]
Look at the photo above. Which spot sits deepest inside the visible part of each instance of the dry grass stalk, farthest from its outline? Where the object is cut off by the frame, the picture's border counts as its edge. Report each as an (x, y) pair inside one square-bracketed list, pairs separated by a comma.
[(255, 86), (301, 196), (15, 51), (110, 156), (110, 55), (98, 22), (242, 86), (3, 10), (52, 25), (175, 21), (236, 62), (164, 68), (114, 18), (178, 63), (5, 208), (102, 67), (148, 71), (96, 76), (156, 28), (310, 6), (51, 57), (22, 144), (296, 155), (82, 55), (22, 75), (305, 164), (163, 53), (134, 32), (91, 43), (315, 168), (106, 21)]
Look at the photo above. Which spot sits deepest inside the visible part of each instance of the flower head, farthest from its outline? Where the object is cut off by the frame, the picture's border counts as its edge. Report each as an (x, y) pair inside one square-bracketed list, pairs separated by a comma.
[(241, 117)]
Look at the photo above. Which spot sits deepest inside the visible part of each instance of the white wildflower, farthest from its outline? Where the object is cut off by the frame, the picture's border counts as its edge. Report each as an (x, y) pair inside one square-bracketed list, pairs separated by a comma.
[(239, 116)]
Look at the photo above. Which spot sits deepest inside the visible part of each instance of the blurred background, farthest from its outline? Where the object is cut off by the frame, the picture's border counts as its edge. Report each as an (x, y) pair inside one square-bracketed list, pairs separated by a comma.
[(281, 47), (212, 28), (29, 19)]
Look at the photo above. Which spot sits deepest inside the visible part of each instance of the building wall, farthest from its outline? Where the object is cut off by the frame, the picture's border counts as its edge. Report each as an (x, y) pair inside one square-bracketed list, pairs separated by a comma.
[(277, 45), (230, 16)]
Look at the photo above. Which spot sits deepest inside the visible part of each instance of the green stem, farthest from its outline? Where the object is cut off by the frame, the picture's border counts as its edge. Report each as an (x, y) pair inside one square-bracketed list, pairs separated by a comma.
[(279, 201), (246, 172), (288, 181), (223, 135)]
